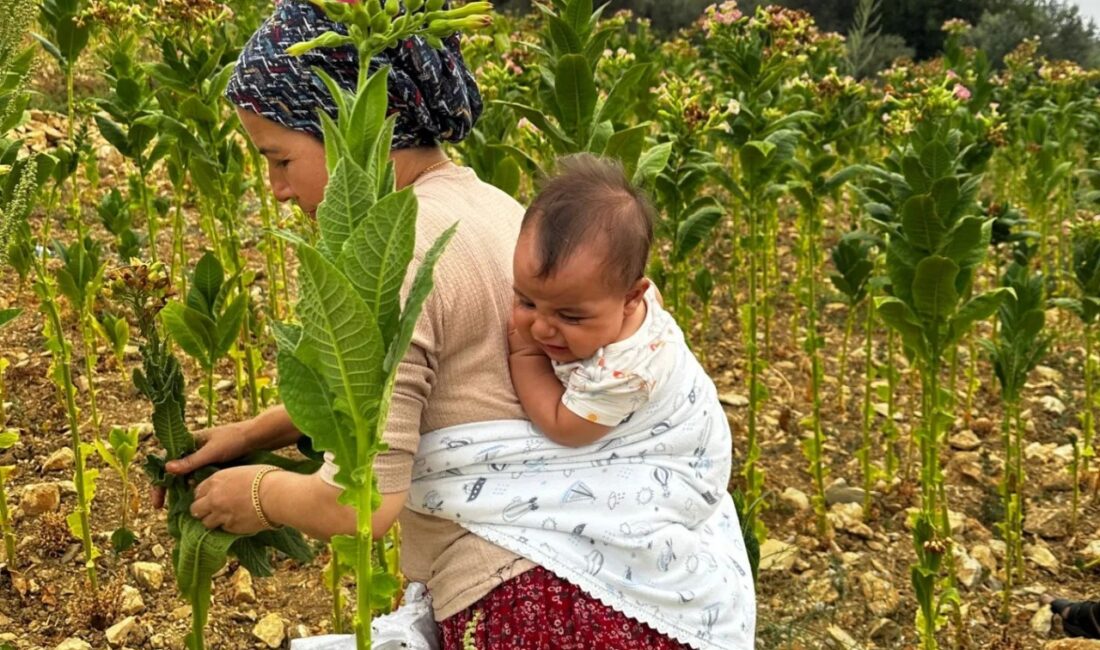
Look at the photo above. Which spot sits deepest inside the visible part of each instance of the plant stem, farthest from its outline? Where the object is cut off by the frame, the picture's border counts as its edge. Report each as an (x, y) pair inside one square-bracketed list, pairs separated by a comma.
[(868, 373), (842, 375), (5, 523), (89, 370), (210, 396), (151, 216), (752, 476), (337, 594)]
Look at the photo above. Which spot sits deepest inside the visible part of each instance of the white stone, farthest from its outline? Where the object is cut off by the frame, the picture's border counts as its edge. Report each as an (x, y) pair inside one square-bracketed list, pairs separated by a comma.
[(965, 441), (1042, 557), (271, 630), (777, 556), (1040, 622), (1052, 405), (130, 601), (845, 516), (73, 643), (733, 399), (1091, 553), (149, 575), (985, 557), (125, 632), (842, 640), (59, 460), (1041, 452), (968, 571), (796, 499)]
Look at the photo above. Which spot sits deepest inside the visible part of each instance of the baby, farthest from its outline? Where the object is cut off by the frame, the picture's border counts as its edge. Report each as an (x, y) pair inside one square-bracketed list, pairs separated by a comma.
[(590, 342)]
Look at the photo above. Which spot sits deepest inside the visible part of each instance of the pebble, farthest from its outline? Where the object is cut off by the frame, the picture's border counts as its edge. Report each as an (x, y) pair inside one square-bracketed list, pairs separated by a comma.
[(1091, 553), (1042, 557), (795, 498), (777, 556), (158, 551), (223, 385), (841, 492), (125, 632), (968, 570), (879, 594), (984, 555), (40, 497), (241, 589), (130, 601), (1048, 523), (1040, 622), (73, 643), (271, 630), (180, 613), (886, 633), (149, 575), (1052, 405), (965, 441), (733, 399), (59, 460), (841, 639)]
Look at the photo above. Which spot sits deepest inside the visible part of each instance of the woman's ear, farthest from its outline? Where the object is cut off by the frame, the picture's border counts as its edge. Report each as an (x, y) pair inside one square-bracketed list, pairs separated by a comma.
[(634, 296)]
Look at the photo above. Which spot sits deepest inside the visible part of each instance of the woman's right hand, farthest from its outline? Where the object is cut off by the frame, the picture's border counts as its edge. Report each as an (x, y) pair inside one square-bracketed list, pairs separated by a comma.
[(219, 444)]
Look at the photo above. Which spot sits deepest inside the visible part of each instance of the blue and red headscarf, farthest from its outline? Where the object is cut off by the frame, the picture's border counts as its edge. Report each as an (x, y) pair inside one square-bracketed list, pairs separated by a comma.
[(432, 92)]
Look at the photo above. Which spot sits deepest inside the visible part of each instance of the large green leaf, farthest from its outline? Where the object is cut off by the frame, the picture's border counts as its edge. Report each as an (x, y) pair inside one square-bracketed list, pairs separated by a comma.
[(340, 338), (561, 142), (694, 229), (626, 146), (196, 343), (618, 98), (376, 257), (229, 325), (921, 225), (348, 196), (309, 401), (422, 285), (9, 314), (201, 553), (652, 162), (575, 91), (934, 294), (368, 115), (897, 315), (978, 308), (206, 283)]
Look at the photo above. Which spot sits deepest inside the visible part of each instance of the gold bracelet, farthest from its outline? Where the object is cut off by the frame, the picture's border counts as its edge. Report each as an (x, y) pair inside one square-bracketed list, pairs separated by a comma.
[(256, 496)]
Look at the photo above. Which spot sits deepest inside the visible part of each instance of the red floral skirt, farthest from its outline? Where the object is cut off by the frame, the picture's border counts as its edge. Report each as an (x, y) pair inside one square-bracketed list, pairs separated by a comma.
[(538, 610)]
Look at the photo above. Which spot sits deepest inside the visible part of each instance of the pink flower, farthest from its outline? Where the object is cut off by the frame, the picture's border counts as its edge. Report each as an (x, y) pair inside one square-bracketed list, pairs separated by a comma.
[(952, 75), (961, 92)]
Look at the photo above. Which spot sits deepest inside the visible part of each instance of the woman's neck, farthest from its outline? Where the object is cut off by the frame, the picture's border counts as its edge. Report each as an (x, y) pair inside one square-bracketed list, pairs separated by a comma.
[(409, 164)]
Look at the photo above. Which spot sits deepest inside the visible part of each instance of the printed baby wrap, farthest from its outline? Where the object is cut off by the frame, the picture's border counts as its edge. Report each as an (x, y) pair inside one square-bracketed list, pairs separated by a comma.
[(640, 519)]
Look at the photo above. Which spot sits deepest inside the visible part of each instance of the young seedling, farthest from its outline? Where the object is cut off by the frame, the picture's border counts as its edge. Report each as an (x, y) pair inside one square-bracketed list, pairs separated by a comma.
[(114, 213), (79, 279), (119, 452), (207, 323), (1086, 277), (1019, 346), (8, 438)]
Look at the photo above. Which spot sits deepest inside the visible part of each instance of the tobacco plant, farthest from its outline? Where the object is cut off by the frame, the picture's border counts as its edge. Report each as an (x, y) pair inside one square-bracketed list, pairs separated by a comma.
[(1019, 346), (337, 368), (79, 278), (208, 322), (8, 439), (925, 204), (1086, 276), (119, 452), (571, 114), (199, 552)]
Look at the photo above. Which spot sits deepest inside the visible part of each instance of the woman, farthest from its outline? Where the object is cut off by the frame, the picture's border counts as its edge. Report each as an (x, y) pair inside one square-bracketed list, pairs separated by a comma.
[(456, 371)]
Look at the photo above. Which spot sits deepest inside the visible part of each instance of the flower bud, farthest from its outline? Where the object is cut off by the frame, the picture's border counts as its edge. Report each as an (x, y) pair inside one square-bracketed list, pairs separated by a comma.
[(470, 10), (392, 7), (328, 39), (374, 7), (380, 24), (435, 5), (413, 5)]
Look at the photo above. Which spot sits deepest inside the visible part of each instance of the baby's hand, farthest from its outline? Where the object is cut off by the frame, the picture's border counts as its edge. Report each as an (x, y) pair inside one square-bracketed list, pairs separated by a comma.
[(520, 342)]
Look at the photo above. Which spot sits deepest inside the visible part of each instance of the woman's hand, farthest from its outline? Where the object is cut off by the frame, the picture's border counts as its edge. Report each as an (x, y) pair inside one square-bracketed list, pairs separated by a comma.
[(225, 500)]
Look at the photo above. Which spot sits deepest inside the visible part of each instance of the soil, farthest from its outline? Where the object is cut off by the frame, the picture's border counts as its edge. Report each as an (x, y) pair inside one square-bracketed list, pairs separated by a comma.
[(810, 604)]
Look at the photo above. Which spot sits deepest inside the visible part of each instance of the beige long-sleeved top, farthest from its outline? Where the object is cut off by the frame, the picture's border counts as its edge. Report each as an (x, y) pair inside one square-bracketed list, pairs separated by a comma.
[(456, 372)]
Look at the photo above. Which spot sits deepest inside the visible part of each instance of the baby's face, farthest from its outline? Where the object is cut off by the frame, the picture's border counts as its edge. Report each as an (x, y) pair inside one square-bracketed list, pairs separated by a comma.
[(574, 312)]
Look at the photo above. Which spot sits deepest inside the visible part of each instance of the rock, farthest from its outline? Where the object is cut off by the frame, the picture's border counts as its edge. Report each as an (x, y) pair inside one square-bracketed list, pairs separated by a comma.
[(1048, 374), (59, 460), (1064, 453), (130, 601), (777, 556), (968, 571), (1041, 452), (1040, 622), (1042, 557), (180, 613), (271, 630), (125, 632), (965, 441), (149, 575), (968, 464), (40, 497), (886, 633), (1052, 405), (981, 426), (796, 499), (822, 591), (300, 631), (985, 557), (1072, 644), (846, 516), (73, 643), (841, 639), (1091, 553), (733, 399), (841, 492), (879, 594), (1048, 523), (241, 589), (158, 551), (223, 385)]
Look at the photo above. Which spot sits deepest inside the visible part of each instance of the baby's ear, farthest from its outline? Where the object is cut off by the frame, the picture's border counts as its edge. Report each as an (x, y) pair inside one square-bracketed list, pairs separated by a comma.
[(635, 294)]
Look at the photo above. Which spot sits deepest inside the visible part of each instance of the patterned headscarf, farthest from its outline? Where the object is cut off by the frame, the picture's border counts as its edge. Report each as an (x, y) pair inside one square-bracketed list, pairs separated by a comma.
[(433, 94)]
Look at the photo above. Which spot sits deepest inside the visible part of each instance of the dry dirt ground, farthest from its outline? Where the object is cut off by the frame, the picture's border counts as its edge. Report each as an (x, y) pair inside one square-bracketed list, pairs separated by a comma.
[(813, 593)]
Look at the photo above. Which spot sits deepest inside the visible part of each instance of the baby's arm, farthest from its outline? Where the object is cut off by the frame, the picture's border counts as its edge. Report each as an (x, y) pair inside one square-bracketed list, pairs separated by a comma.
[(540, 393)]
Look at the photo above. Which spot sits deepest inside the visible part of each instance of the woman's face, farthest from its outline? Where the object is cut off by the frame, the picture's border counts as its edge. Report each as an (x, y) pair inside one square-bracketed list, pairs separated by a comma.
[(295, 160)]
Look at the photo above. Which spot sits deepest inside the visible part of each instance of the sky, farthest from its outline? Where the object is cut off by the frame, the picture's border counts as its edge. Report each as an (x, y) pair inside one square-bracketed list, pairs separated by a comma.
[(1090, 8)]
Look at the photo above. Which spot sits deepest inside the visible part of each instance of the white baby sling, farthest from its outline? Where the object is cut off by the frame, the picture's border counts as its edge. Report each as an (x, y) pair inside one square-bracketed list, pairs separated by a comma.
[(640, 520)]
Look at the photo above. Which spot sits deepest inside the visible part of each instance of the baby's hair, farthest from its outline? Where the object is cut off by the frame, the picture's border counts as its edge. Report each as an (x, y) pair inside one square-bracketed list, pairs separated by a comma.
[(590, 198)]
